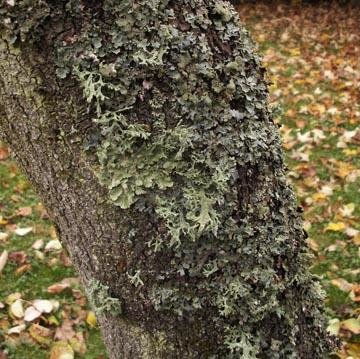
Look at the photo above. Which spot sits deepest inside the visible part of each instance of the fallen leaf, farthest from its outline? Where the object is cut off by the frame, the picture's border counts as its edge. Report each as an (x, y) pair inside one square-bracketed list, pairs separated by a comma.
[(11, 298), (336, 227), (24, 268), (352, 350), (4, 236), (41, 334), (38, 244), (53, 245), (312, 244), (17, 309), (65, 331), (52, 320), (91, 319), (19, 257), (61, 350), (3, 259), (342, 284), (43, 305), (318, 197), (347, 210), (352, 232), (23, 231), (31, 313), (24, 211), (352, 324), (55, 304), (78, 343), (17, 330), (4, 152), (327, 190), (39, 255), (57, 287)]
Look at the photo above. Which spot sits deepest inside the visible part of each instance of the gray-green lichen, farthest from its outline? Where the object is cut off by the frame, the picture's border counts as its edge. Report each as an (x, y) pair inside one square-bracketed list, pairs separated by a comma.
[(101, 300), (187, 141)]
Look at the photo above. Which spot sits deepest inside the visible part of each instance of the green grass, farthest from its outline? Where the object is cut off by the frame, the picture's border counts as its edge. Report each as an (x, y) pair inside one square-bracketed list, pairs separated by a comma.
[(14, 194)]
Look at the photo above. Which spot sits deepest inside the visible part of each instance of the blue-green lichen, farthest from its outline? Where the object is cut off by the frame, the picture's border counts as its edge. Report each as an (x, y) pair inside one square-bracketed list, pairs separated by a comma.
[(188, 144), (101, 300)]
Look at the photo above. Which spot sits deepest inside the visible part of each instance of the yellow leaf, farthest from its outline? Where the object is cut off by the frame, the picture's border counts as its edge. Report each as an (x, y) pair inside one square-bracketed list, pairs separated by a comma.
[(336, 227), (91, 319), (319, 197), (356, 240), (352, 324), (353, 349), (61, 350), (294, 52), (349, 152), (344, 169)]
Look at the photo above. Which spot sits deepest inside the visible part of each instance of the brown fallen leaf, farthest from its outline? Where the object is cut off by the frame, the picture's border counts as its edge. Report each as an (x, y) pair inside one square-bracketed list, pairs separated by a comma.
[(19, 257), (24, 212), (65, 259), (24, 268), (65, 331), (4, 152), (57, 288), (65, 283)]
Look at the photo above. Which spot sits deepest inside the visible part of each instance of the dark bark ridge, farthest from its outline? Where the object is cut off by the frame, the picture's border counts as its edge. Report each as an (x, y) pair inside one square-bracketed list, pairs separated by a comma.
[(205, 247)]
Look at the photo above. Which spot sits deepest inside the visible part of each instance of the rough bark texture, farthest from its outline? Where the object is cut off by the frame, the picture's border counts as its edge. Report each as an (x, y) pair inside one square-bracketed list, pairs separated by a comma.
[(199, 253)]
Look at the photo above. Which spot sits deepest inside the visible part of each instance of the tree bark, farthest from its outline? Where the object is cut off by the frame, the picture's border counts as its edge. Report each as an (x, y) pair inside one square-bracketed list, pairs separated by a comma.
[(256, 244)]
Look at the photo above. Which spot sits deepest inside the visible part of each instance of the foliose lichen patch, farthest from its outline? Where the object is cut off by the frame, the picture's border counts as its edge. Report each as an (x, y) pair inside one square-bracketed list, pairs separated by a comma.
[(180, 103)]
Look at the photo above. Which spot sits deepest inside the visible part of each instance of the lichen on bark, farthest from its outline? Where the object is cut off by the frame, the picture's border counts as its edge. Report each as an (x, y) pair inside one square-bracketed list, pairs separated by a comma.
[(101, 300), (185, 140)]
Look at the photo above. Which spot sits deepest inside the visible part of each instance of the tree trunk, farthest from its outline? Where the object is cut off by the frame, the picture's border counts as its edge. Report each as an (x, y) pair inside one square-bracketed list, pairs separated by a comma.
[(144, 128)]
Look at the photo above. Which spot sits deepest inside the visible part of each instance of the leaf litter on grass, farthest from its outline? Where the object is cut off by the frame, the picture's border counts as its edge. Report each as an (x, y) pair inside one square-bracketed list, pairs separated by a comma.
[(43, 311)]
